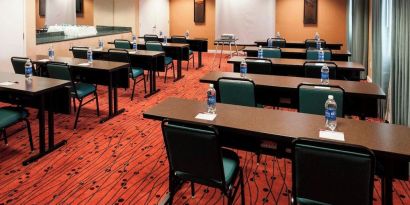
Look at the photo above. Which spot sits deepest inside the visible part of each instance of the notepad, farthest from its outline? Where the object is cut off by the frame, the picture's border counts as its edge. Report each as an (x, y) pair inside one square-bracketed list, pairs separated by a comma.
[(319, 64), (97, 49), (84, 64), (132, 52), (206, 116), (7, 83), (332, 135), (44, 60), (322, 87)]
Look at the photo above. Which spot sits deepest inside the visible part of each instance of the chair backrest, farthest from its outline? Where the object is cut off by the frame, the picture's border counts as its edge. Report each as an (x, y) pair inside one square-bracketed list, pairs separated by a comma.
[(79, 52), (311, 43), (312, 98), (331, 173), (237, 91), (58, 71), (19, 64), (313, 69), (119, 55), (151, 37), (259, 65), (194, 152), (124, 44), (313, 54), (178, 39), (153, 46), (277, 42), (272, 52)]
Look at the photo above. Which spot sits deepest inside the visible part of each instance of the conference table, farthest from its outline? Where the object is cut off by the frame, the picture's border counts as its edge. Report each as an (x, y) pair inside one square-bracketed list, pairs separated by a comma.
[(111, 74), (44, 94), (389, 142), (300, 53), (361, 98), (301, 44), (294, 67)]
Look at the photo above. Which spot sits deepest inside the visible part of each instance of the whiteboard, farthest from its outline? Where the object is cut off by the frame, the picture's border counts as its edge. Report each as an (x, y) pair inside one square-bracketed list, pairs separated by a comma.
[(249, 20)]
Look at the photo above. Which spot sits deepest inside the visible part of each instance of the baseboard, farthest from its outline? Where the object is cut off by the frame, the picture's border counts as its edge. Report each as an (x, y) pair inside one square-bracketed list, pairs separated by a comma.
[(369, 79)]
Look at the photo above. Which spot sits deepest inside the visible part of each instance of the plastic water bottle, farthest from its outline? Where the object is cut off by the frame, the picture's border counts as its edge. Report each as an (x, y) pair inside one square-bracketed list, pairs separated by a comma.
[(187, 34), (100, 43), (134, 37), (277, 35), (28, 70), (270, 43), (160, 33), (321, 55), (324, 75), (243, 68), (134, 46), (165, 40), (318, 44), (211, 93), (331, 113), (317, 36), (260, 52), (90, 55), (51, 53)]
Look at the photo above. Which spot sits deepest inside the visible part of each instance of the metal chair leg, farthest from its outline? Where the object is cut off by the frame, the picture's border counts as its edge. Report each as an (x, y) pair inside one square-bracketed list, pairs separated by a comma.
[(75, 106), (5, 136), (173, 70), (96, 103), (192, 189), (166, 71), (133, 89), (30, 136), (242, 187), (145, 84), (78, 113)]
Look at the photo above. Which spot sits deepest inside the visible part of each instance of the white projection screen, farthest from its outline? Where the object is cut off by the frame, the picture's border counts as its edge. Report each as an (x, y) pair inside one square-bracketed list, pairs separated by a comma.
[(60, 12), (249, 20)]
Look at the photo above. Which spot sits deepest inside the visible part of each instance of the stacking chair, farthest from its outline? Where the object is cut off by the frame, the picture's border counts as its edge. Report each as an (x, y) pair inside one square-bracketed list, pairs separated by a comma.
[(311, 43), (237, 91), (79, 90), (151, 37), (277, 42), (124, 44), (12, 115), (313, 54), (195, 155), (312, 98), (313, 69), (272, 52), (19, 65), (182, 39), (79, 52), (259, 65), (122, 55), (325, 172), (169, 62)]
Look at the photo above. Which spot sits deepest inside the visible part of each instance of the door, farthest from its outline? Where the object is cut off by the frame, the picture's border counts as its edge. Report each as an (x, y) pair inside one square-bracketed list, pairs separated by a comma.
[(12, 32)]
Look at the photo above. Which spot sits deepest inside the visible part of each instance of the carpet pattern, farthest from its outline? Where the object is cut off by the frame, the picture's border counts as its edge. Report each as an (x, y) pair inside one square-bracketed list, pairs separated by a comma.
[(123, 161)]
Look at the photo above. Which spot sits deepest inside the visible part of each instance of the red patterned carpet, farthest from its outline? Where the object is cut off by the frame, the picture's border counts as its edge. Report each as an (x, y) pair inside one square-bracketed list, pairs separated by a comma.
[(123, 161)]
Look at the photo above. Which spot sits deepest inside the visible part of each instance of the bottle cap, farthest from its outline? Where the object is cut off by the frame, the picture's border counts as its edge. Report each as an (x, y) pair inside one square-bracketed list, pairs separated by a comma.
[(211, 85), (330, 97), (321, 49)]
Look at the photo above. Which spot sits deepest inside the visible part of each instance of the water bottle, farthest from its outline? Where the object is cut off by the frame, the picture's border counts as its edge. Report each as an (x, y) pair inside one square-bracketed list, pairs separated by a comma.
[(160, 33), (165, 40), (187, 34), (51, 53), (243, 68), (134, 46), (100, 43), (260, 52), (321, 55), (270, 43), (28, 70), (331, 113), (324, 75), (90, 55), (134, 37), (211, 93), (317, 36), (277, 35), (318, 44)]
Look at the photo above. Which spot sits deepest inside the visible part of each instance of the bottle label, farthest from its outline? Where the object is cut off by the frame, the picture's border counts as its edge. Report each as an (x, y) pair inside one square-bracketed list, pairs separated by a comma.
[(29, 70), (243, 69), (50, 53), (260, 54), (211, 100), (90, 57), (270, 43), (134, 46), (330, 114), (325, 75)]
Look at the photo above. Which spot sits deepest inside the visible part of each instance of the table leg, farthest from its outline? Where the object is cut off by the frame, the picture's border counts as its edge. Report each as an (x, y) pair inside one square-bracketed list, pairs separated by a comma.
[(200, 60), (152, 84), (220, 57), (387, 190), (110, 103), (179, 66)]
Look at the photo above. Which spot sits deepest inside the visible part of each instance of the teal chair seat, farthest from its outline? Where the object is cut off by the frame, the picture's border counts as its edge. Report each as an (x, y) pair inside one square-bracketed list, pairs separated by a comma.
[(313, 54), (168, 60), (272, 53), (9, 116), (135, 72), (84, 89)]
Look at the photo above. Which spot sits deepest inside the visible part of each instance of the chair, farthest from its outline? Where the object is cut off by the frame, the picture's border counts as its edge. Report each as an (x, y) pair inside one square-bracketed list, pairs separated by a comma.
[(272, 52), (325, 172), (195, 155), (259, 65), (79, 90), (79, 52), (182, 39), (313, 69), (277, 42), (312, 98), (124, 44), (12, 115), (311, 43), (122, 55), (169, 62), (151, 37), (19, 64), (237, 91), (313, 54)]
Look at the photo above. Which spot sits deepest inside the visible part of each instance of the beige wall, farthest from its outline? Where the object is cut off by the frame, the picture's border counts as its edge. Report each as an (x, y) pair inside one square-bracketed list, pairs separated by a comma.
[(331, 20), (182, 19), (116, 13)]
